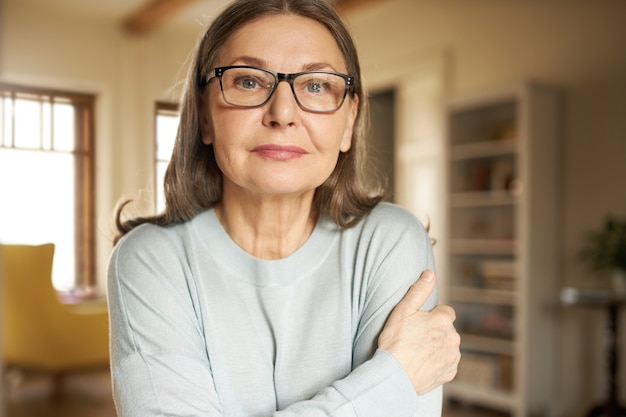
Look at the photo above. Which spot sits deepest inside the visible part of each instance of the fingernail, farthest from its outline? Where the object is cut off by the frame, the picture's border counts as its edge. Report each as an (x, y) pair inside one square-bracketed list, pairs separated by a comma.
[(428, 275)]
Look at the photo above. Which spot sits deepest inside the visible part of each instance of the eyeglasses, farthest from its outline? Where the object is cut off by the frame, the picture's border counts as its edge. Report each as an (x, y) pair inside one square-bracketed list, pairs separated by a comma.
[(314, 91)]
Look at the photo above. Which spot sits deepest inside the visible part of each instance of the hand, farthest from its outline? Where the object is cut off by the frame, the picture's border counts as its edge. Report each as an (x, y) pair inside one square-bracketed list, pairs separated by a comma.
[(424, 342)]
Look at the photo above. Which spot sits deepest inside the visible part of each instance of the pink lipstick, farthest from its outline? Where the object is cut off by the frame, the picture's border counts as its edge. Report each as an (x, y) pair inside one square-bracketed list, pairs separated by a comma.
[(279, 152)]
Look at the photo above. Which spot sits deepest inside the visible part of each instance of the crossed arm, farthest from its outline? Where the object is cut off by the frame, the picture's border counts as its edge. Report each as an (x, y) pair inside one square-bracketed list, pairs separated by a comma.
[(158, 366), (425, 343)]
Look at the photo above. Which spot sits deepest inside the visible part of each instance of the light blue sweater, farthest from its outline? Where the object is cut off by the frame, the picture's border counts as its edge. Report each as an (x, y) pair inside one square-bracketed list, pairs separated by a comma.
[(201, 328)]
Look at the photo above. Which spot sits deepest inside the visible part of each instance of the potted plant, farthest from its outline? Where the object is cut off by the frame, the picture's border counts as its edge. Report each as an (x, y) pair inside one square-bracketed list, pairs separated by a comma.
[(604, 251)]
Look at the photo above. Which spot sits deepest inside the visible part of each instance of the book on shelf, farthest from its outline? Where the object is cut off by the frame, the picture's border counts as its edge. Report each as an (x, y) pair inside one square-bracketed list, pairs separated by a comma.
[(483, 246), (486, 371), (498, 274), (489, 320), (479, 370)]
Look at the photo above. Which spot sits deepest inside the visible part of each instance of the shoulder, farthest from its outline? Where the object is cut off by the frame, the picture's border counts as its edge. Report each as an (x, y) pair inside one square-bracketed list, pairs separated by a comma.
[(150, 259), (140, 253), (390, 230), (155, 246), (394, 222), (151, 238), (147, 238), (393, 215), (392, 249)]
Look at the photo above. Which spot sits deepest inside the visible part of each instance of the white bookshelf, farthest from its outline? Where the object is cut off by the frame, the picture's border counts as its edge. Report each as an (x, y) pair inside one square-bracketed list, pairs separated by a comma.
[(502, 250)]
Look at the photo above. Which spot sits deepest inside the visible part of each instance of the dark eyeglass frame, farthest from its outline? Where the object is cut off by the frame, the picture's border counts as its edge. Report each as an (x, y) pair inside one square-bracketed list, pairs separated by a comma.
[(218, 72)]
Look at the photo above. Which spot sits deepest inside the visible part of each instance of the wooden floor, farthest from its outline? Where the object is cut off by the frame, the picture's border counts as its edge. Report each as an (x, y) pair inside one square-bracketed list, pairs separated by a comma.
[(84, 395), (89, 395)]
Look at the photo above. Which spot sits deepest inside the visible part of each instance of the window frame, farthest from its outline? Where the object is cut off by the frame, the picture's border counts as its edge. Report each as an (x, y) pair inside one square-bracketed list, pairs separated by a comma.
[(160, 108), (84, 166)]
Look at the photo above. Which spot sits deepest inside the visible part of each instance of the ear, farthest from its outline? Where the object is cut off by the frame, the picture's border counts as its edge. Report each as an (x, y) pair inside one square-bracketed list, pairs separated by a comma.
[(206, 127), (346, 140)]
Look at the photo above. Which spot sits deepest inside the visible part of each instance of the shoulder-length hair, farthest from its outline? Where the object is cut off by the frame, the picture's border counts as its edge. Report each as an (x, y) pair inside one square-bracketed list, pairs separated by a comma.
[(193, 181)]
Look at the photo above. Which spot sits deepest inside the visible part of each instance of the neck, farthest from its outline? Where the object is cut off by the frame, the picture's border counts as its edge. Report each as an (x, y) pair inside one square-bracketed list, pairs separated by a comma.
[(268, 227)]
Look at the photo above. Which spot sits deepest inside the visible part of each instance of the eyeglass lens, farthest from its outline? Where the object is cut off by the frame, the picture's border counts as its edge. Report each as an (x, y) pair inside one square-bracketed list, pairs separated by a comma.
[(315, 91)]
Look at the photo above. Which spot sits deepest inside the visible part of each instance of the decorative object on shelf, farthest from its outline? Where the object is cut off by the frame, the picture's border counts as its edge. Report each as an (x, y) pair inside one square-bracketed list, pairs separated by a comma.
[(502, 131), (604, 251)]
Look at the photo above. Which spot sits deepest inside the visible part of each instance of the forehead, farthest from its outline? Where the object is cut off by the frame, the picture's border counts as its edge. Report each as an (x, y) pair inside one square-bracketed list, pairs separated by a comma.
[(284, 41)]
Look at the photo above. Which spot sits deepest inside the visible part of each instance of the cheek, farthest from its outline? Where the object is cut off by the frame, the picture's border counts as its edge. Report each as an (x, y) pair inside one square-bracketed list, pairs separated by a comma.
[(333, 132), (227, 120), (207, 117), (337, 137), (228, 142), (221, 126)]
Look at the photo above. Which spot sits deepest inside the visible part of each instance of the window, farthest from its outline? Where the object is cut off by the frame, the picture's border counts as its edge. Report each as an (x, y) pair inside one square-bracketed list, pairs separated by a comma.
[(167, 119), (47, 177)]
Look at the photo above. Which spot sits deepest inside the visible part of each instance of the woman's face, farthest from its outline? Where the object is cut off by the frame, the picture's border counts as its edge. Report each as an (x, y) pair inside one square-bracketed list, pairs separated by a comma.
[(278, 148)]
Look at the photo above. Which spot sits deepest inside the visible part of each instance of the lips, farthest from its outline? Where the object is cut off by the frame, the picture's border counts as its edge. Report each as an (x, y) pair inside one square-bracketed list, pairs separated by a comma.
[(279, 152)]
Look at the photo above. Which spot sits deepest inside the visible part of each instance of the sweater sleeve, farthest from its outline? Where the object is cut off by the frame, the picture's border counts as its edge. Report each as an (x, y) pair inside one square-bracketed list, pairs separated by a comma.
[(158, 364), (392, 251), (398, 249)]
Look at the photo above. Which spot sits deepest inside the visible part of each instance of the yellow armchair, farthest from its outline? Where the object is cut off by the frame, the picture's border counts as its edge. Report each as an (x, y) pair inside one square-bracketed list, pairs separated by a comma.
[(39, 332)]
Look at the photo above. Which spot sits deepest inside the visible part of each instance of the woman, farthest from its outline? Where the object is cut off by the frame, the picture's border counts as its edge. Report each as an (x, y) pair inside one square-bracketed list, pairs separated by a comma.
[(264, 287)]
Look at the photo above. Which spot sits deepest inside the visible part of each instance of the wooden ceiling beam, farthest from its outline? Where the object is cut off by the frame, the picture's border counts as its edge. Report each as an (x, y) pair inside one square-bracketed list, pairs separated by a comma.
[(156, 12), (345, 6), (152, 14)]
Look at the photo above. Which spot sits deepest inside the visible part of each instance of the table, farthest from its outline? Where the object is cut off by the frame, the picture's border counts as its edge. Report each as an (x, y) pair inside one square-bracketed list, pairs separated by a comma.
[(612, 303)]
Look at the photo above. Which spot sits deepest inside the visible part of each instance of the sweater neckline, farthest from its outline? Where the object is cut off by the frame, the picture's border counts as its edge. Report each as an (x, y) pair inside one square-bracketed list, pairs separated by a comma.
[(263, 272)]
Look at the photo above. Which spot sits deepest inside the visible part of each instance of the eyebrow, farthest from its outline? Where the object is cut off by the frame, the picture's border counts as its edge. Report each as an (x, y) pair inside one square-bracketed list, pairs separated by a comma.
[(257, 62), (248, 60)]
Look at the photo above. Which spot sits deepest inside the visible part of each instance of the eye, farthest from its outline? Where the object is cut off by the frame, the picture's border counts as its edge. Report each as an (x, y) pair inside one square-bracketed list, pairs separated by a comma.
[(248, 83), (316, 87)]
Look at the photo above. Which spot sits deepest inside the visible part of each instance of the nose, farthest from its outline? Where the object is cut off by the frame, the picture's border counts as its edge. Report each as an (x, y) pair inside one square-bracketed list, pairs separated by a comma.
[(282, 107)]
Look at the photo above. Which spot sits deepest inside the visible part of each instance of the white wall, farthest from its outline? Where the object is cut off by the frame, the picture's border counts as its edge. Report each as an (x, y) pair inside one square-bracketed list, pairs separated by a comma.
[(575, 45)]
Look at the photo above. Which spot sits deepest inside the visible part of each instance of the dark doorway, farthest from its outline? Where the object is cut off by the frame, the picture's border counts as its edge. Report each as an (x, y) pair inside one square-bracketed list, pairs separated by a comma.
[(380, 140)]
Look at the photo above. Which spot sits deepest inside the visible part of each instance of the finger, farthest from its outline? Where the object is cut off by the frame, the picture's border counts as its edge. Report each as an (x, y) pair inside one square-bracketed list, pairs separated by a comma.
[(445, 309), (418, 294)]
